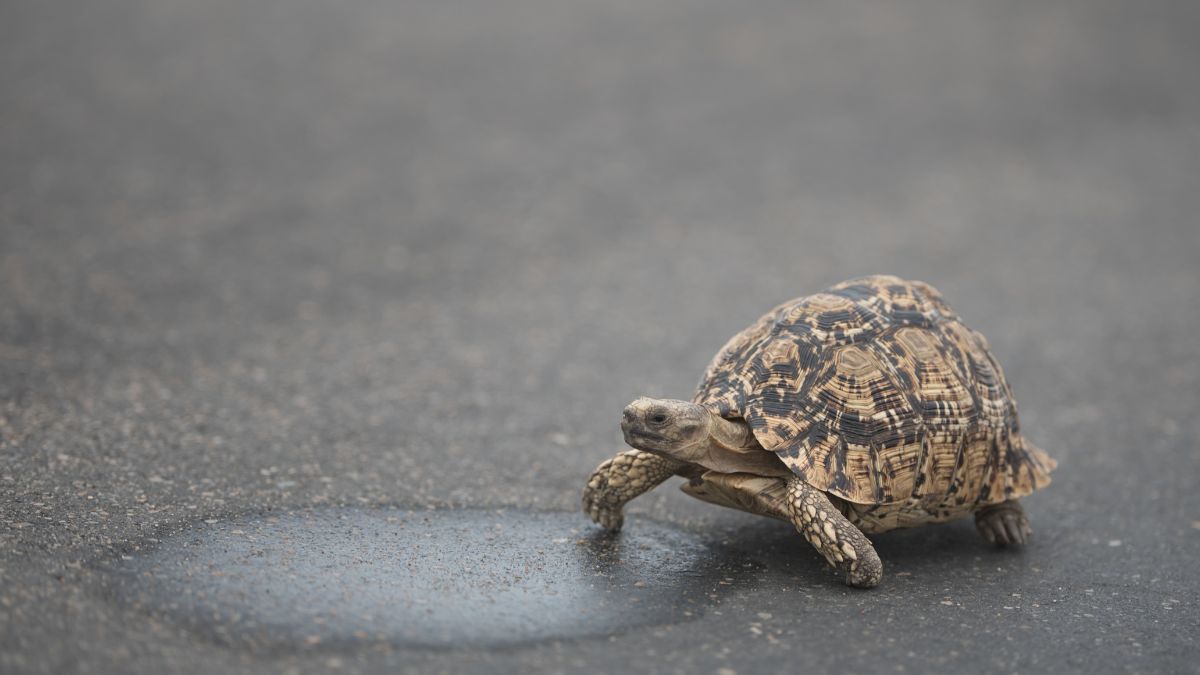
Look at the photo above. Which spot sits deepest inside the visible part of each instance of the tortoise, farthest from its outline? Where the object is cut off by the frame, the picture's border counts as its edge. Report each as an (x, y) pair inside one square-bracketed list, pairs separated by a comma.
[(864, 408)]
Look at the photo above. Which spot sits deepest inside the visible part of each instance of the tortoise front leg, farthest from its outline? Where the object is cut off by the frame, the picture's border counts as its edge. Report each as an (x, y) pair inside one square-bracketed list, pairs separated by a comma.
[(1003, 524), (620, 479), (845, 547)]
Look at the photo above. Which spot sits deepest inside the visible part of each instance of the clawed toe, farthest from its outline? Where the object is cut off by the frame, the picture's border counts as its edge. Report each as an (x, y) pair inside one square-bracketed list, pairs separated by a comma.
[(605, 516), (1004, 525), (1016, 528), (609, 519), (865, 573)]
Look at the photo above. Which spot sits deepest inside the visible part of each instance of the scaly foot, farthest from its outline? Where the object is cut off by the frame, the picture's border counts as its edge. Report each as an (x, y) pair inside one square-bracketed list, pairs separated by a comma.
[(844, 546), (1003, 524)]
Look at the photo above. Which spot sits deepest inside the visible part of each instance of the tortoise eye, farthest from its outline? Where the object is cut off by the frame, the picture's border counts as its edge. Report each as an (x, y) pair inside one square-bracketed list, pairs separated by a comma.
[(659, 418)]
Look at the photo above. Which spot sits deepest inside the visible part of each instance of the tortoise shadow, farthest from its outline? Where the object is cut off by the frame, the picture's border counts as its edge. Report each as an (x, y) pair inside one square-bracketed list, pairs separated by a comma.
[(923, 553)]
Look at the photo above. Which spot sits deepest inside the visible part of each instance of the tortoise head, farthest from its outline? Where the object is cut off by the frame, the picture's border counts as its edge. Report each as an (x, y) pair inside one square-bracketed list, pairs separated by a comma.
[(677, 429)]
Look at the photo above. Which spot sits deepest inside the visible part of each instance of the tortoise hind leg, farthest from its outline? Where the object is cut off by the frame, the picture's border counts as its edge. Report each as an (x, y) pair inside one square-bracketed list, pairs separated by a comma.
[(620, 479), (844, 546), (1003, 524)]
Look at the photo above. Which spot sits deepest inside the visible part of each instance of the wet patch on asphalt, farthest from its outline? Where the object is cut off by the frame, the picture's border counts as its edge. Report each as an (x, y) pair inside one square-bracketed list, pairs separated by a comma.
[(338, 576)]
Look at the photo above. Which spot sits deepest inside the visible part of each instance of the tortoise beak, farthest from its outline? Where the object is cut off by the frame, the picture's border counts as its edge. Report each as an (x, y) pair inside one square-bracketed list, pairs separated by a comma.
[(635, 432), (627, 417)]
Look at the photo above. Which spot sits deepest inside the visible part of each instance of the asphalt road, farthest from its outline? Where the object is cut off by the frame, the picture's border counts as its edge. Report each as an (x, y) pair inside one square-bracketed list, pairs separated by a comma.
[(314, 317)]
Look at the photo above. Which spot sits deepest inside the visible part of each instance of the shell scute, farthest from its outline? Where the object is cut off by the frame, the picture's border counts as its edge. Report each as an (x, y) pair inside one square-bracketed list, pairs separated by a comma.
[(830, 318)]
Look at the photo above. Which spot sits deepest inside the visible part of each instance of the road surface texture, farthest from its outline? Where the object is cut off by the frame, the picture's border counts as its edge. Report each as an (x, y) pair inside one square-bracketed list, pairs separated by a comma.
[(314, 317)]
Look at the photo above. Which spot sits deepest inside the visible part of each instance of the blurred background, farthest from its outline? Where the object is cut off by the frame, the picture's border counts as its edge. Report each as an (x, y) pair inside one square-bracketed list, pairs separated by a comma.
[(272, 254)]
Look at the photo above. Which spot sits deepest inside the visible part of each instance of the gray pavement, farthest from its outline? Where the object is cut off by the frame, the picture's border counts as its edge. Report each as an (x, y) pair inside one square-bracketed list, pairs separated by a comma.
[(277, 273)]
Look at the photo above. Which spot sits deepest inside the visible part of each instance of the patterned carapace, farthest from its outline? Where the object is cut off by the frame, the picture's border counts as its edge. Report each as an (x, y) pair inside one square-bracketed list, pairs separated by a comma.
[(875, 392)]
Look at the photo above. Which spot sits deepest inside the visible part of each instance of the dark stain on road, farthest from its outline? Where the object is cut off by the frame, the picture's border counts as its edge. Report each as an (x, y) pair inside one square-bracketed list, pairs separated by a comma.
[(337, 576)]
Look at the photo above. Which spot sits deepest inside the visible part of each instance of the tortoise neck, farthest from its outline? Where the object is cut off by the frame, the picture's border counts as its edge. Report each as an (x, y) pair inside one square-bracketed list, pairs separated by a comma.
[(730, 434)]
